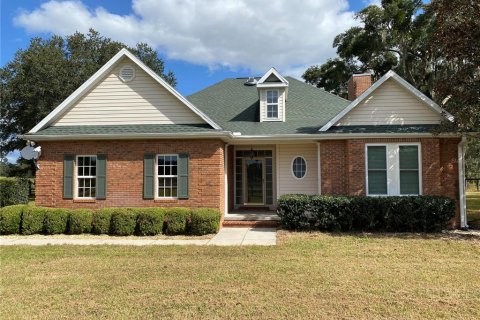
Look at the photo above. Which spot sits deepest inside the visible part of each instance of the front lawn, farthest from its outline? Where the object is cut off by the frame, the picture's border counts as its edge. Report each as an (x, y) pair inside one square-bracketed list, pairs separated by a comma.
[(473, 209), (308, 275)]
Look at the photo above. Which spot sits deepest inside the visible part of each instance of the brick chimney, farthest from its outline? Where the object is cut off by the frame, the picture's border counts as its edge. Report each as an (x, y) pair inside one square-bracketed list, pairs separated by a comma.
[(357, 84)]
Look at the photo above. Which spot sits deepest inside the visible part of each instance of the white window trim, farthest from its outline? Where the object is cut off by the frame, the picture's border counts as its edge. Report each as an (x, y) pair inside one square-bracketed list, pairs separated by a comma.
[(267, 104), (306, 167), (393, 168), (157, 197), (76, 184)]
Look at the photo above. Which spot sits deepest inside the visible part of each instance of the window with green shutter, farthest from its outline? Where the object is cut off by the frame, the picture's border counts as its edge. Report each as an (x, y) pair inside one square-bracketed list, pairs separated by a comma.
[(377, 170), (68, 167), (409, 170)]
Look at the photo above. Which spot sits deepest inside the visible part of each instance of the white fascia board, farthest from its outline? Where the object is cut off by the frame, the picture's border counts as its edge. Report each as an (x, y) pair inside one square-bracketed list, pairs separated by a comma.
[(190, 135), (274, 72), (390, 74), (97, 76)]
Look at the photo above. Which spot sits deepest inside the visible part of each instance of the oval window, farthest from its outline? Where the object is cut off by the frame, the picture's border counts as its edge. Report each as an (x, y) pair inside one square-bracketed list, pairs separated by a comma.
[(299, 167)]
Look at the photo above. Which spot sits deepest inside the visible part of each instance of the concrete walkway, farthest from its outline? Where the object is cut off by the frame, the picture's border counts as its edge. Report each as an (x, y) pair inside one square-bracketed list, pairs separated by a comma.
[(226, 237)]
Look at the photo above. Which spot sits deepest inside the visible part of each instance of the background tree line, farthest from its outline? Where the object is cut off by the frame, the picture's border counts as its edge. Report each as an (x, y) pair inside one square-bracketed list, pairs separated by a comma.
[(434, 46)]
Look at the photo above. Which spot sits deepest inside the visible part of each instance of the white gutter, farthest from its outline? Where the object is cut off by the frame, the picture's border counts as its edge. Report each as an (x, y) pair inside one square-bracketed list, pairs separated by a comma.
[(461, 183)]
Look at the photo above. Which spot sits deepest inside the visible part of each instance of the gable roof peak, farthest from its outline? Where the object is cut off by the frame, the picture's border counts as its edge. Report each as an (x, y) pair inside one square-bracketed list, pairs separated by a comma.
[(97, 77), (263, 82)]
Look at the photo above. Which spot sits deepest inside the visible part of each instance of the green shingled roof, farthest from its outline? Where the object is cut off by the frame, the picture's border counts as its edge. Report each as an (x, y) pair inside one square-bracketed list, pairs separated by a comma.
[(235, 107), (407, 128), (126, 129)]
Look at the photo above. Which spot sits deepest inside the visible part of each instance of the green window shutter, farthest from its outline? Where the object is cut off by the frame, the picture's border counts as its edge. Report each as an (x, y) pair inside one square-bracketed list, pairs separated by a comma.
[(183, 171), (409, 170), (68, 176), (101, 176), (148, 176), (377, 169)]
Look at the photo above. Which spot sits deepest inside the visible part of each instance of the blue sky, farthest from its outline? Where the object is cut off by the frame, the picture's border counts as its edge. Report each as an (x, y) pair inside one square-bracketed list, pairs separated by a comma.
[(193, 73), (202, 42)]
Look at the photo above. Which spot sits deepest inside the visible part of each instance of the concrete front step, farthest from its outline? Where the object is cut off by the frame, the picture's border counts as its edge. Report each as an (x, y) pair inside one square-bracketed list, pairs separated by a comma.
[(250, 223)]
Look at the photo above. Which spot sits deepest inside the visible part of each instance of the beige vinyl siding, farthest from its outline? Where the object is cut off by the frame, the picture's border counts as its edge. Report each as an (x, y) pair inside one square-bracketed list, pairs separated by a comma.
[(281, 104), (390, 104), (141, 101), (287, 183)]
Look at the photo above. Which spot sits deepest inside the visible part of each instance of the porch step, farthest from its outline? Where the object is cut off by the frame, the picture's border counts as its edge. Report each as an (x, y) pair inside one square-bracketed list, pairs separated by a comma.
[(250, 223)]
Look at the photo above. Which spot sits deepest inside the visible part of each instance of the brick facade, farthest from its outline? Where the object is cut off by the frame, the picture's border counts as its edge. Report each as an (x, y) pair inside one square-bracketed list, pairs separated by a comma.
[(343, 166), (125, 172), (357, 84)]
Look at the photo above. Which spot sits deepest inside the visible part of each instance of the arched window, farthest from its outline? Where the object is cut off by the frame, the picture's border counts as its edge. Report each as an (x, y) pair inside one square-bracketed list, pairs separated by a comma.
[(299, 167)]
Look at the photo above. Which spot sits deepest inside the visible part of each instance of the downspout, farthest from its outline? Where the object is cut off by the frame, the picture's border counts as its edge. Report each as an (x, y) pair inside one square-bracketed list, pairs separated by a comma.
[(461, 183)]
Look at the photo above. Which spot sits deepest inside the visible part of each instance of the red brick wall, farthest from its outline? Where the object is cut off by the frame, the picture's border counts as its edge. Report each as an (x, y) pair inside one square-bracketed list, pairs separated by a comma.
[(343, 166), (357, 84), (125, 172)]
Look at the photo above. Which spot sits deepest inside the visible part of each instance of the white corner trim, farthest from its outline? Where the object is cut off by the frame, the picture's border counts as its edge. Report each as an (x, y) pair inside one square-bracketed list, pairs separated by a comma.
[(267, 74), (390, 74), (461, 183), (87, 85)]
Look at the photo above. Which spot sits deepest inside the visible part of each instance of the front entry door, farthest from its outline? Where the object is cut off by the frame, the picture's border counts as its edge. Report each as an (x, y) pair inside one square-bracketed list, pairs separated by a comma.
[(254, 181)]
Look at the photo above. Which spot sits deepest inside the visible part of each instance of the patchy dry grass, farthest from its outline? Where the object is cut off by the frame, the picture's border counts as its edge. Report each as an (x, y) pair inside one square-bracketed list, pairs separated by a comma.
[(308, 275), (473, 209)]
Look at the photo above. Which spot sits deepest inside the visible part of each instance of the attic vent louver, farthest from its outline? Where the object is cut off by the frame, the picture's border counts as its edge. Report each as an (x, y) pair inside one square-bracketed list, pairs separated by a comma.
[(127, 73), (251, 81)]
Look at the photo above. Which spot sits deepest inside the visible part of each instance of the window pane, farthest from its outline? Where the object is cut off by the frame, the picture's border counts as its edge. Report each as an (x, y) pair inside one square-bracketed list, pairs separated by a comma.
[(377, 182), (93, 161), (174, 170), (161, 170), (80, 171), (377, 157), (408, 157), (174, 160), (409, 183)]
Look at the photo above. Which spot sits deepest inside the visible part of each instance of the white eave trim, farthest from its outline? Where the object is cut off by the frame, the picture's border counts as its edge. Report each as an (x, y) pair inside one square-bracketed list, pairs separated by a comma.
[(93, 80), (390, 74), (284, 82)]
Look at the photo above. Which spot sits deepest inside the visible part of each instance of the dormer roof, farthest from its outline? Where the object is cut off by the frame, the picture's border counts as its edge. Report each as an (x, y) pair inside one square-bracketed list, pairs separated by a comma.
[(272, 79)]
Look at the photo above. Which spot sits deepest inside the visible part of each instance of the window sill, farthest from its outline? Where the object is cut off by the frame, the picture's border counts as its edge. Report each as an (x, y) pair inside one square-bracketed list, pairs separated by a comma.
[(167, 200), (84, 200)]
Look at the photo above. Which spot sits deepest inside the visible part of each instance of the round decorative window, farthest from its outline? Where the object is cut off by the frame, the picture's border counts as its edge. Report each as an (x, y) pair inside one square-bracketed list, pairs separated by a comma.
[(127, 73), (299, 167)]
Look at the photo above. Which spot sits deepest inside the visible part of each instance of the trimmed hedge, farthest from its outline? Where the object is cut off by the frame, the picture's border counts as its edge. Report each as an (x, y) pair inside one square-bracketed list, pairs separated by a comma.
[(13, 191), (150, 221), (11, 218), (101, 221), (123, 222), (361, 213), (55, 221), (205, 221), (26, 219), (80, 221), (176, 220)]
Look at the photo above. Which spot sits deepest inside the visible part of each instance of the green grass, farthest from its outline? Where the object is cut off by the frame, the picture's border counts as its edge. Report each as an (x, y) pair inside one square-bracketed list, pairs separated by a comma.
[(308, 275), (473, 209)]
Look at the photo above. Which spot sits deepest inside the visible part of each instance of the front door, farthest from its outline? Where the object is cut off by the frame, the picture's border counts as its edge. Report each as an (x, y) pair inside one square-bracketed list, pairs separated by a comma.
[(254, 181)]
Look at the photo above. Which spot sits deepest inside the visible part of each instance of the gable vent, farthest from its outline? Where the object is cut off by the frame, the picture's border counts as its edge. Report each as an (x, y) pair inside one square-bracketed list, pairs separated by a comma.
[(127, 73)]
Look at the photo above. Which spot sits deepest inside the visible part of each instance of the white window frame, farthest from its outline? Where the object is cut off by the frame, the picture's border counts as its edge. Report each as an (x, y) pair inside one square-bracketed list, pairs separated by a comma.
[(306, 167), (77, 184), (277, 104), (157, 197), (393, 168)]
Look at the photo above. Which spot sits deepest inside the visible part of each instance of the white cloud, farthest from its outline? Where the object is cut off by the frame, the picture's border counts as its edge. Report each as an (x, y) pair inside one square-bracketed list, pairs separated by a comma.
[(256, 35)]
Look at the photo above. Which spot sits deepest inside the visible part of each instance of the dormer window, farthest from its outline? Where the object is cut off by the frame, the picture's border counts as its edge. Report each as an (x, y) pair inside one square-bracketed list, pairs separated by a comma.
[(272, 104)]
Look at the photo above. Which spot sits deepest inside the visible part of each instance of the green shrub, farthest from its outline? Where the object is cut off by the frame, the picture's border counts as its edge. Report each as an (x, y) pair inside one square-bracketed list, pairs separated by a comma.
[(293, 211), (177, 220), (80, 221), (55, 221), (123, 222), (205, 221), (149, 221), (32, 220), (101, 221), (360, 213), (11, 219), (13, 191)]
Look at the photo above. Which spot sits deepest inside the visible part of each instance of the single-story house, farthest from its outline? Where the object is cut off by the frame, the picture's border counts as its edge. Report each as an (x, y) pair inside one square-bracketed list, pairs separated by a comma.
[(126, 138)]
